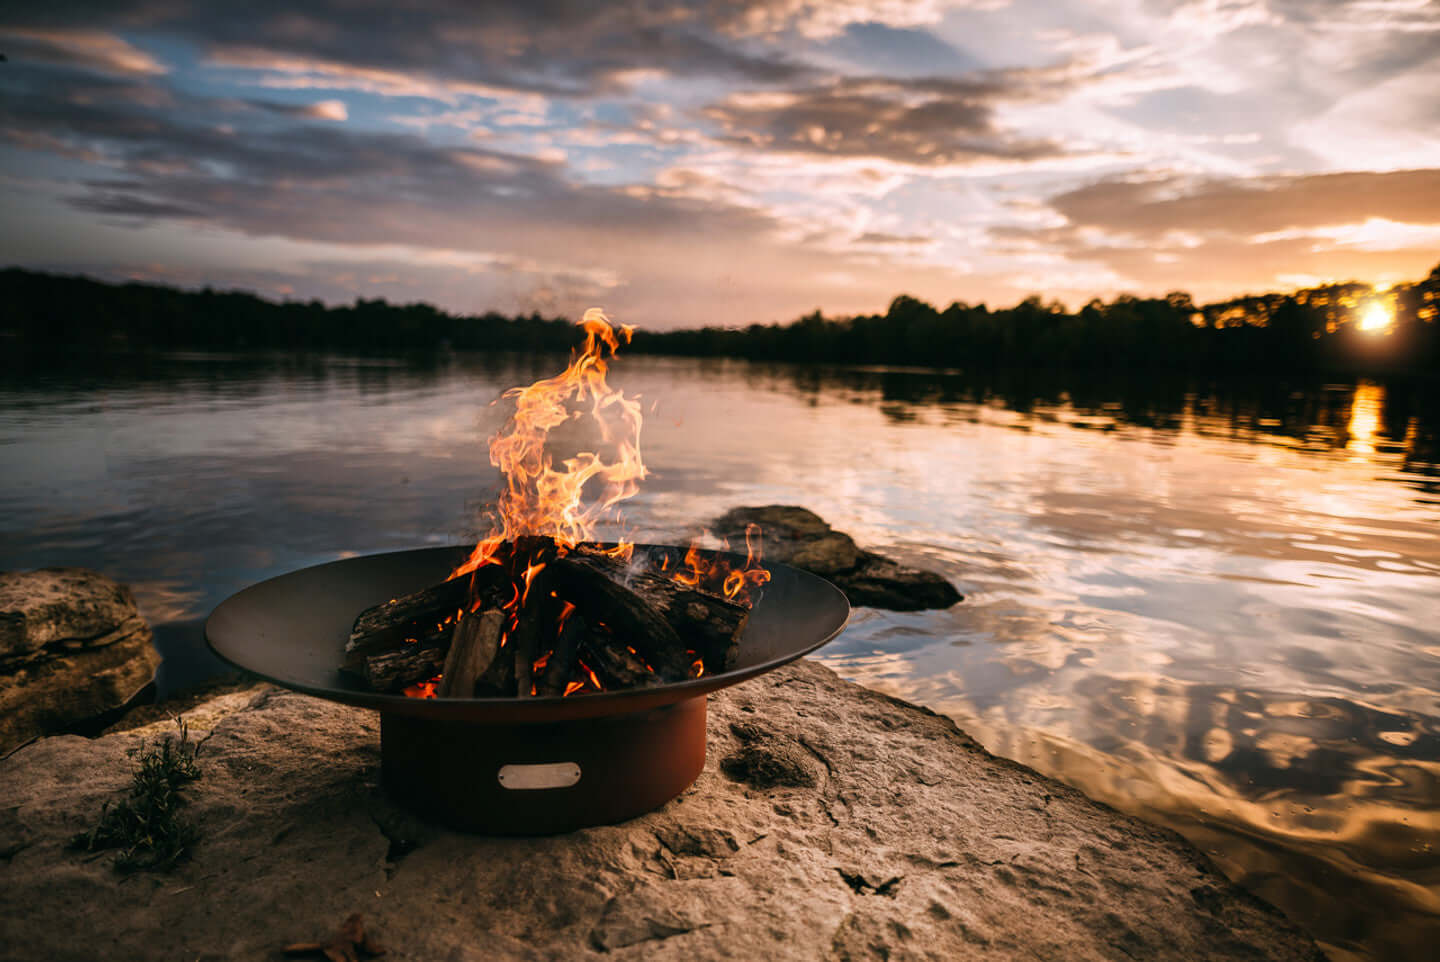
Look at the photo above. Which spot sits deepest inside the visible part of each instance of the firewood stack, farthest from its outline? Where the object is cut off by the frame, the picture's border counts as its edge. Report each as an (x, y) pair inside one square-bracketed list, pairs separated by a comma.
[(589, 621)]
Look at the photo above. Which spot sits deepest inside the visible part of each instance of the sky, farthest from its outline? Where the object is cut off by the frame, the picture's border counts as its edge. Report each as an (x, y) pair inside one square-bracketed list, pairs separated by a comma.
[(723, 163)]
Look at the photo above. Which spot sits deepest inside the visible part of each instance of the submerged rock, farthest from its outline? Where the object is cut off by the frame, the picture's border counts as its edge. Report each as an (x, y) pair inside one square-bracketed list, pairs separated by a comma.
[(72, 647), (799, 537), (888, 833)]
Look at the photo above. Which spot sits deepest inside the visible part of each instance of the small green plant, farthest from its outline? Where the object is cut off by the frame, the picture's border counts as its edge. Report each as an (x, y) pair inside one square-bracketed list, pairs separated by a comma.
[(147, 826)]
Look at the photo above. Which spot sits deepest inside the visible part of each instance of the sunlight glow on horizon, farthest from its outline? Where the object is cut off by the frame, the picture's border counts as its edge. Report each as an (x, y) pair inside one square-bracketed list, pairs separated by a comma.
[(1377, 318)]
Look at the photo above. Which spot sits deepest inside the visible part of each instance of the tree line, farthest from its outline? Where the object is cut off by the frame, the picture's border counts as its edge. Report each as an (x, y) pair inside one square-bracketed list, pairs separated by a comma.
[(1316, 328)]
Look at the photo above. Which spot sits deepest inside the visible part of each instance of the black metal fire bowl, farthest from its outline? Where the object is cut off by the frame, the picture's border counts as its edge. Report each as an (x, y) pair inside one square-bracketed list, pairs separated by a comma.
[(509, 766)]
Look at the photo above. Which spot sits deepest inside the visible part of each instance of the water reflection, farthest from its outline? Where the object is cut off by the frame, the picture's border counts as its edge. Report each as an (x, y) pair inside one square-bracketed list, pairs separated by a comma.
[(1214, 604), (1366, 405)]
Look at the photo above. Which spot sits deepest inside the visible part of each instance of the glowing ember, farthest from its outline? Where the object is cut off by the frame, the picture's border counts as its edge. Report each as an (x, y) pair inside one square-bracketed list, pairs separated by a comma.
[(425, 689)]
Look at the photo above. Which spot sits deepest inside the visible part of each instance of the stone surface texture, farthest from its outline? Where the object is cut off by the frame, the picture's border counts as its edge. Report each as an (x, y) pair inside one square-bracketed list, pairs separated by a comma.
[(72, 646), (799, 537), (831, 822)]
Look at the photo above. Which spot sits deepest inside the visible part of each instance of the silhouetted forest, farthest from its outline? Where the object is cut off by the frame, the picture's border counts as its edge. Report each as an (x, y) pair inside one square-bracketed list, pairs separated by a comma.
[(1313, 329)]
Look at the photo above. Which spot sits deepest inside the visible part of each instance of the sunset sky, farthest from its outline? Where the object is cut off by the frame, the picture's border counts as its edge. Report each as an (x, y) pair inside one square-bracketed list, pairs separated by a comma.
[(723, 163)]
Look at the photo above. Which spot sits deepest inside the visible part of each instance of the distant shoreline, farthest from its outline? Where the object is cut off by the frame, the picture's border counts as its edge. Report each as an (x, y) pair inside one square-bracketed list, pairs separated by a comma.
[(1322, 330)]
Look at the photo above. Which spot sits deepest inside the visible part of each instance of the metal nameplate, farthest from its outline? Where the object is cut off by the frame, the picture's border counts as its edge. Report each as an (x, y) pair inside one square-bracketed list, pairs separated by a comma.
[(548, 775)]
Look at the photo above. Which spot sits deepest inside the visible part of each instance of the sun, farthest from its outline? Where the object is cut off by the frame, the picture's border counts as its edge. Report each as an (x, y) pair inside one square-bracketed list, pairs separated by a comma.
[(1376, 319)]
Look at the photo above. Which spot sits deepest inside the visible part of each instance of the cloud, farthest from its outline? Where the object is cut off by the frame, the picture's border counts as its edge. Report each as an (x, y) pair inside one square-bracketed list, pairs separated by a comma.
[(557, 47), (1150, 207), (102, 199), (1231, 234), (822, 19), (945, 120), (1361, 16), (74, 47), (924, 121), (662, 251), (321, 110), (878, 237)]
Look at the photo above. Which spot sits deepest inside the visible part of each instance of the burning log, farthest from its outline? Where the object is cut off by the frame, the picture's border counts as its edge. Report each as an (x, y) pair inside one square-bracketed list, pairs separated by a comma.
[(537, 623), (473, 648), (499, 679), (543, 612), (403, 641), (617, 666), (394, 670), (709, 623), (427, 615), (629, 617), (561, 663), (408, 640), (420, 615)]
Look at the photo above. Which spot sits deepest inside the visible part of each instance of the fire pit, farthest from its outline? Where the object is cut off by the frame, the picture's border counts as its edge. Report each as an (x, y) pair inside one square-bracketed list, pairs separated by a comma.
[(539, 681), (509, 766)]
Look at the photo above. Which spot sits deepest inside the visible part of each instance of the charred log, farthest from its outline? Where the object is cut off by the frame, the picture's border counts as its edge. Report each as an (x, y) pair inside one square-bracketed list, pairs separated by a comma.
[(618, 666), (498, 681), (560, 666), (631, 620), (473, 646), (420, 615), (427, 615), (629, 627), (391, 671), (708, 623), (540, 611)]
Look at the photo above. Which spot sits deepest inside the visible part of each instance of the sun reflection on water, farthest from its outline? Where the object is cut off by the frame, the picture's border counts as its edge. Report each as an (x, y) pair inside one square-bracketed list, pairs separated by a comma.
[(1364, 423)]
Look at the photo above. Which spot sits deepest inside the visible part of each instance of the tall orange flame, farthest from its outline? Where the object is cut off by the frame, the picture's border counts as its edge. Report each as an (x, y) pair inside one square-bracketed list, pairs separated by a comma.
[(565, 502)]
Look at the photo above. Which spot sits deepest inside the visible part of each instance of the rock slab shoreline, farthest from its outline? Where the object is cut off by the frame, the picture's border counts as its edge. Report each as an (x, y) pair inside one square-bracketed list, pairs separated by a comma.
[(72, 647), (831, 822)]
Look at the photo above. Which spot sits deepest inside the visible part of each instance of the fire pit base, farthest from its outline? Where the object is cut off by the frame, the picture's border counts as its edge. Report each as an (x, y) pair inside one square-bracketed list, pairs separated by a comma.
[(542, 778)]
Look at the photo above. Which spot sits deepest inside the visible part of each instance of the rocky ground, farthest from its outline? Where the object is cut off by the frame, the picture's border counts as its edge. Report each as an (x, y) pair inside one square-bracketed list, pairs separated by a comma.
[(831, 822)]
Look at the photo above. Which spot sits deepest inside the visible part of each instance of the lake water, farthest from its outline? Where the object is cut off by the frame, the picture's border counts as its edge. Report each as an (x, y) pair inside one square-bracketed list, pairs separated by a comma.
[(1216, 606)]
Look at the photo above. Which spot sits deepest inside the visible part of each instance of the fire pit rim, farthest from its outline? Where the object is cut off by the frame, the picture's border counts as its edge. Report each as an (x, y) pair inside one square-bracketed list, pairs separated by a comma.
[(228, 626)]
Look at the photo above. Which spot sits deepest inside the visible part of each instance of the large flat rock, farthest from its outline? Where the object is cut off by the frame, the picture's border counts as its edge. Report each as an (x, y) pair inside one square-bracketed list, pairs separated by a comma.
[(72, 647), (831, 822), (54, 607)]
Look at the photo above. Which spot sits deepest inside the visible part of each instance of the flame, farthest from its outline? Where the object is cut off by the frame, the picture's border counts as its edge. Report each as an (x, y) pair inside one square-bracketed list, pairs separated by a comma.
[(565, 502), (590, 681), (531, 570), (718, 576)]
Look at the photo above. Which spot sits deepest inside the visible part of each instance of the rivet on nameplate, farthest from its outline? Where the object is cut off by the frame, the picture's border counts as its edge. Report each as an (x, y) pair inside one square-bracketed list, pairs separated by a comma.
[(530, 777)]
